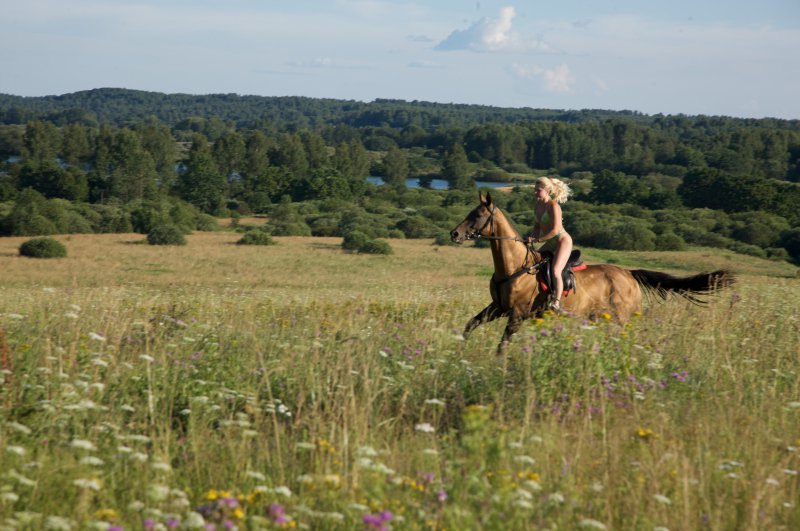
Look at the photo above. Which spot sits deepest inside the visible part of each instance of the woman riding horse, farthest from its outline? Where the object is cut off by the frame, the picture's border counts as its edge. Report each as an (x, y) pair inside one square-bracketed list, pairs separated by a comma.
[(548, 228)]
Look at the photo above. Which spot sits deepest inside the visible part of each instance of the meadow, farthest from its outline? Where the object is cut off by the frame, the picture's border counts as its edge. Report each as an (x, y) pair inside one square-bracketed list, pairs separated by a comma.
[(216, 386)]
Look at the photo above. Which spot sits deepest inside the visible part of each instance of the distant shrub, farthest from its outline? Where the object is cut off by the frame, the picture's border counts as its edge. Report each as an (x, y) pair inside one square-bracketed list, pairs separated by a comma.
[(354, 240), (165, 235), (43, 248), (443, 238), (205, 222), (375, 247), (669, 241), (417, 227), (744, 248), (626, 237), (291, 228), (256, 237), (779, 254)]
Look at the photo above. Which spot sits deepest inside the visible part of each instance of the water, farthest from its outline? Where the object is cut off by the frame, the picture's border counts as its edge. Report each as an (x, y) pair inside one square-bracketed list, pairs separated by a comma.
[(441, 184)]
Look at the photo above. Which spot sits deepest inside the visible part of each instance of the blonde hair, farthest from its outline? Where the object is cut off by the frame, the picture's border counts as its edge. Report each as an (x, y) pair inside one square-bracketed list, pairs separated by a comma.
[(556, 188)]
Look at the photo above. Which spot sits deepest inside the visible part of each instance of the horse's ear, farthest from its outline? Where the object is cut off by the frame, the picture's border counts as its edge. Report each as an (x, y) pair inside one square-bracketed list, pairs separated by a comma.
[(489, 198), (481, 198)]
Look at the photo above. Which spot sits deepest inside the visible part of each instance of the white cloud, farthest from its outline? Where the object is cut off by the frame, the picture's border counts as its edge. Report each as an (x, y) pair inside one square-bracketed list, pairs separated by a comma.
[(557, 79), (491, 35)]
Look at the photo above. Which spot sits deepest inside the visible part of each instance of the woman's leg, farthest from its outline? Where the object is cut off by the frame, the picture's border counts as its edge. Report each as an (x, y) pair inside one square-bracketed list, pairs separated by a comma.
[(559, 262)]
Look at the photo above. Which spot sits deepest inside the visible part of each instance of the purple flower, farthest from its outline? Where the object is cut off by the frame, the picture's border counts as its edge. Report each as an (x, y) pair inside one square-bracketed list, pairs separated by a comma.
[(681, 376), (172, 523), (149, 524), (441, 495), (277, 513)]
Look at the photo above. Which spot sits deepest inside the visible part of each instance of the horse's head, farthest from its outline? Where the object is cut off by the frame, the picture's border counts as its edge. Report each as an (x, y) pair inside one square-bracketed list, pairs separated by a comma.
[(477, 223)]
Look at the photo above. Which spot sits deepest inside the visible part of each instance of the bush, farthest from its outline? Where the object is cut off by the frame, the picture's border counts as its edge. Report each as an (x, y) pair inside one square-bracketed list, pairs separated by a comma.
[(443, 238), (296, 228), (354, 240), (745, 248), (165, 235), (256, 237), (43, 248), (375, 247), (669, 241), (206, 222)]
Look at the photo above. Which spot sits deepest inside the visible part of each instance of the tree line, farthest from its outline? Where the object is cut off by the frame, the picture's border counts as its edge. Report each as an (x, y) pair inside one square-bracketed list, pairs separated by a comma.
[(258, 153)]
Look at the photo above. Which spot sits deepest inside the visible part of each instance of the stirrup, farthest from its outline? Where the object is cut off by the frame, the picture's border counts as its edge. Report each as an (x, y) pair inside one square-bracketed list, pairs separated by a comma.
[(555, 307)]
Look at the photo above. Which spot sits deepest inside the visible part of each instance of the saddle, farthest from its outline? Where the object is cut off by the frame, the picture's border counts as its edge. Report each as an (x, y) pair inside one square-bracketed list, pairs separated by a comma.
[(545, 273)]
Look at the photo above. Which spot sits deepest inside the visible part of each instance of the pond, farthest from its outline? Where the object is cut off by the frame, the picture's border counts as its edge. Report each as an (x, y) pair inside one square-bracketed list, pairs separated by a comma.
[(441, 184)]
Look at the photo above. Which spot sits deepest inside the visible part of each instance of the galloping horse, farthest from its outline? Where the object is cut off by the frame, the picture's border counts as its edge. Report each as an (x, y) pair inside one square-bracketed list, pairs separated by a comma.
[(603, 288)]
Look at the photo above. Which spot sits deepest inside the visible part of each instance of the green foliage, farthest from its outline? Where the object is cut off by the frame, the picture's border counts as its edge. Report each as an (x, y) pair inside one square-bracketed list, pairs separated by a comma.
[(353, 240), (165, 235), (43, 248), (376, 247), (256, 237), (626, 236), (669, 241), (790, 240)]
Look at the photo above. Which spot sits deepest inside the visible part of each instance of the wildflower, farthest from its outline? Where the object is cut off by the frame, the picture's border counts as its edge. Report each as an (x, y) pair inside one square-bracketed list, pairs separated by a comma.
[(90, 484), (18, 450), (793, 405), (434, 402), (773, 482), (378, 521), (606, 316), (9, 497), (161, 466), (58, 523), (96, 337), (557, 497), (526, 459), (82, 444), (106, 514), (592, 524), (424, 427), (645, 434), (278, 514), (441, 495), (92, 461), (21, 428), (660, 498), (148, 359)]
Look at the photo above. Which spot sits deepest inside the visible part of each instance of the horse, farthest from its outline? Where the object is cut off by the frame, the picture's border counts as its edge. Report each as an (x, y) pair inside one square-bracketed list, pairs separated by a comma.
[(516, 287)]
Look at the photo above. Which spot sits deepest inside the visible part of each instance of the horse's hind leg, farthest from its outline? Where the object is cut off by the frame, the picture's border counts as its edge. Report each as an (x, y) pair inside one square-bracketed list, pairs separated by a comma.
[(490, 313), (514, 322)]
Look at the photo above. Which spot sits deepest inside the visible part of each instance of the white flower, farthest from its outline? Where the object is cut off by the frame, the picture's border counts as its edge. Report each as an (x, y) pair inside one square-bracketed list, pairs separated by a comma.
[(82, 444), (556, 497), (789, 472), (258, 476), (91, 484), (128, 408), (526, 459), (92, 461), (58, 523), (145, 357), (660, 498), (434, 402), (194, 521), (523, 504), (99, 363), (793, 405), (592, 524), (160, 466), (10, 497), (139, 456), (16, 426), (96, 337), (424, 427), (158, 493), (283, 491), (430, 451), (305, 446), (773, 482), (18, 450), (366, 451), (71, 315)]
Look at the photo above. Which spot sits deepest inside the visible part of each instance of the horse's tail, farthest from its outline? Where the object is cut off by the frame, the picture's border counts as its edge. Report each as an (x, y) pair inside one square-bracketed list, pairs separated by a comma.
[(662, 284)]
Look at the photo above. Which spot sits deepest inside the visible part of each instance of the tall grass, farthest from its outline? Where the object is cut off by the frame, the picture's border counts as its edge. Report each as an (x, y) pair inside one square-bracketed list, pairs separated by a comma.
[(299, 386)]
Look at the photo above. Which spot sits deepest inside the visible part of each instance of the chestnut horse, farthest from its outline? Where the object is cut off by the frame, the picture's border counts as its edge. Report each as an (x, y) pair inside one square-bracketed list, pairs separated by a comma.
[(599, 289)]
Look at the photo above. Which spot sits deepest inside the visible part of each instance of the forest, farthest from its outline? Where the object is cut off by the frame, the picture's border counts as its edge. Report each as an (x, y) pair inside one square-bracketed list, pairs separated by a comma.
[(117, 160)]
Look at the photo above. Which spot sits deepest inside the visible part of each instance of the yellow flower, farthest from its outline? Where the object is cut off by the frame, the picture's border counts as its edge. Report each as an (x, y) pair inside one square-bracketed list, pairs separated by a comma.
[(238, 513), (645, 433), (106, 514), (212, 494), (606, 316)]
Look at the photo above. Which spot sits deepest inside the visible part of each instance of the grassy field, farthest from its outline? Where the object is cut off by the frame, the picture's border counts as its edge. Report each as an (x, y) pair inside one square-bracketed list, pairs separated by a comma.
[(216, 386)]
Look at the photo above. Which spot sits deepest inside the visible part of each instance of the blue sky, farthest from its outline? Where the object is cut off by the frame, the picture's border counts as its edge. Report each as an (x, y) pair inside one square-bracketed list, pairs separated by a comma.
[(714, 57)]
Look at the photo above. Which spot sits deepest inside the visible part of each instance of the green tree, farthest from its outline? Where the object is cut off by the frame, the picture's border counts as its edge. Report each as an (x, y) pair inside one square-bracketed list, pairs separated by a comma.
[(395, 169), (200, 183), (133, 174), (158, 141), (455, 168)]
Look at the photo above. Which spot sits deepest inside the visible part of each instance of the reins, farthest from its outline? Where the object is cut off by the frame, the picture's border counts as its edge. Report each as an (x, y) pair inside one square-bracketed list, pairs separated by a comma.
[(529, 253)]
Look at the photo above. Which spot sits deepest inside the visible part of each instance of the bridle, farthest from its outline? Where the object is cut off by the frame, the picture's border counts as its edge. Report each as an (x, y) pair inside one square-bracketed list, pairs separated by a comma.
[(528, 249)]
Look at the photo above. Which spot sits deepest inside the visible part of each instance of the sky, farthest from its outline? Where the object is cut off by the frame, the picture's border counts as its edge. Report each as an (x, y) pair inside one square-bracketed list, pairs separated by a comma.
[(713, 57)]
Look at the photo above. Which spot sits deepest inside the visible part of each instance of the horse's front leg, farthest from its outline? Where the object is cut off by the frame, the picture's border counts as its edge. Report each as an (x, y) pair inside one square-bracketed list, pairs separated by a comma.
[(490, 313), (514, 322)]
